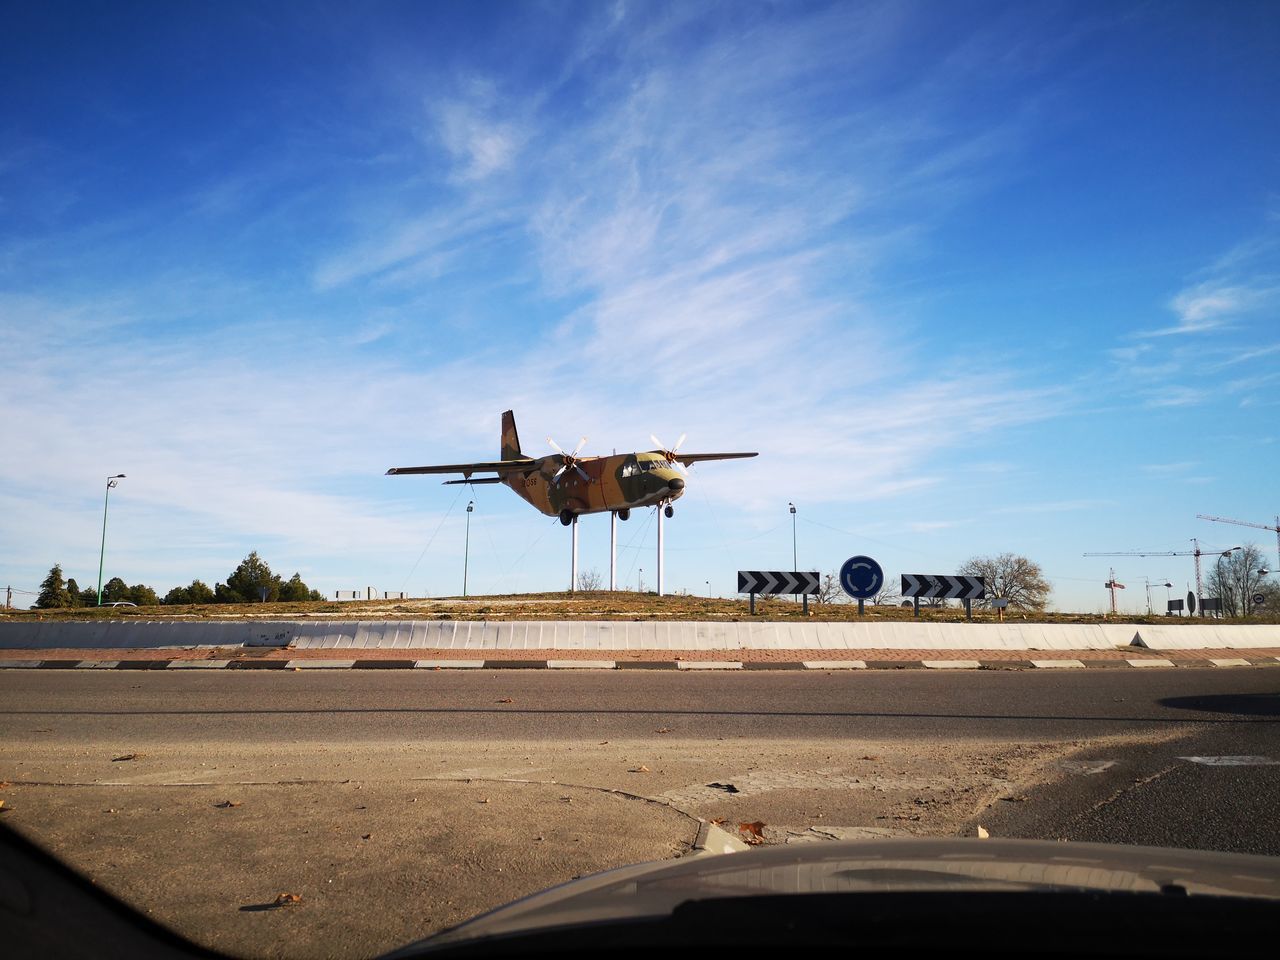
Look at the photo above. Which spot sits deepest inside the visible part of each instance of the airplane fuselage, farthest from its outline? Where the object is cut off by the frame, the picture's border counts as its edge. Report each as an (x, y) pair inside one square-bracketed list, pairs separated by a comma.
[(617, 482)]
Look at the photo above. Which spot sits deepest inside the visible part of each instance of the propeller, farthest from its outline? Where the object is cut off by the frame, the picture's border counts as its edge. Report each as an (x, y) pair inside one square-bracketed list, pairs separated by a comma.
[(670, 454), (569, 459)]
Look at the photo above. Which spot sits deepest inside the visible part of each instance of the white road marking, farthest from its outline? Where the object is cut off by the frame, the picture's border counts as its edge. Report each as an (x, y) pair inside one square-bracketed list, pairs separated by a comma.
[(1229, 663), (320, 664), (1087, 767), (709, 664), (1241, 761), (448, 664), (1058, 664), (835, 664), (582, 664), (951, 664)]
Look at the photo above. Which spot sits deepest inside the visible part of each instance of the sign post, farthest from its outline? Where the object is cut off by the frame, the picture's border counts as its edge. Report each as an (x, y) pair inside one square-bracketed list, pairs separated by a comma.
[(778, 581), (861, 578), (943, 586)]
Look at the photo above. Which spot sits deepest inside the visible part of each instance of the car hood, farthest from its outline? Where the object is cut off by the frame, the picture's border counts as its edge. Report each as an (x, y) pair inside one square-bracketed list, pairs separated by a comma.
[(876, 866)]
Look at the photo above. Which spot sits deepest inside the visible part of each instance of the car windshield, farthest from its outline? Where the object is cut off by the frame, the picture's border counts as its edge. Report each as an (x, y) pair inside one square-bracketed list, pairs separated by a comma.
[(343, 342)]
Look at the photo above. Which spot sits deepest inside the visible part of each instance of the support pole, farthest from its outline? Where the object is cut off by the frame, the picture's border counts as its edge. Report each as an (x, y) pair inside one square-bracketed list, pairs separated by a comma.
[(968, 609), (573, 575), (860, 606), (613, 550), (915, 602), (659, 550), (753, 603), (806, 604)]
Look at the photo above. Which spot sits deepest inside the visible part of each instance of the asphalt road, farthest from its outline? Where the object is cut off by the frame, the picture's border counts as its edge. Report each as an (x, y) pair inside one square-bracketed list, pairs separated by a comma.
[(353, 706), (487, 785)]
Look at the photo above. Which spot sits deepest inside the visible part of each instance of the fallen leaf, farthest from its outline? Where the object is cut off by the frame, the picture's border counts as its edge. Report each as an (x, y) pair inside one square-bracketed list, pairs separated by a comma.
[(365, 836), (485, 800), (127, 756), (754, 832), (2, 805), (226, 804), (982, 833), (640, 769), (717, 821), (603, 742), (505, 700), (871, 758), (285, 898), (663, 730)]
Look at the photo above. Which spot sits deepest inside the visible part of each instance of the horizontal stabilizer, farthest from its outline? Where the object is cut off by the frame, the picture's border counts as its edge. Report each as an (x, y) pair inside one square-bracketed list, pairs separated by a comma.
[(475, 480)]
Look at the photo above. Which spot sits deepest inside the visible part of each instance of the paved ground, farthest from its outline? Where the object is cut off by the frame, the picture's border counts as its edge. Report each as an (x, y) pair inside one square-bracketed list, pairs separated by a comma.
[(398, 802), (772, 659)]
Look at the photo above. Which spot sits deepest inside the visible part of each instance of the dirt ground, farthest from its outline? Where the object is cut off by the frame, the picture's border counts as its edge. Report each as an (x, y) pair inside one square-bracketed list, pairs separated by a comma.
[(591, 605)]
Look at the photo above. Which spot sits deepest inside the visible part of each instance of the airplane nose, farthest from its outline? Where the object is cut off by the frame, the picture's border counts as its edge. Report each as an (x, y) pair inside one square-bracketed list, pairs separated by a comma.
[(675, 483)]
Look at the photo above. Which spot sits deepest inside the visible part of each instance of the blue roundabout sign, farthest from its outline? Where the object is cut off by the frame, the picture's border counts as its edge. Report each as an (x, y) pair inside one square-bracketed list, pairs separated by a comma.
[(861, 578)]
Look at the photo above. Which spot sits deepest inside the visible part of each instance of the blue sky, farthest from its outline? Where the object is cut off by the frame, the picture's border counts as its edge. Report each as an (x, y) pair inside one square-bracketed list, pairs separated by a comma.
[(971, 277)]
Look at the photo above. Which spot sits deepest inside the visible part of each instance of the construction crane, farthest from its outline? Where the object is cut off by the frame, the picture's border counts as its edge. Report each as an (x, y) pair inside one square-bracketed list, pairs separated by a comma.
[(1246, 523), (1113, 586), (1195, 552)]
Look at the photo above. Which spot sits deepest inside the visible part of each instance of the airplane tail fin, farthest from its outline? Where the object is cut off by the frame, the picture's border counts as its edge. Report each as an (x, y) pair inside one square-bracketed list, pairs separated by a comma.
[(510, 439)]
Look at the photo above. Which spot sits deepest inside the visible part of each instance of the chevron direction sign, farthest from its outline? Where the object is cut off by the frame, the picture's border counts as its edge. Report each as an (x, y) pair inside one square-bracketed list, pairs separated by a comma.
[(777, 581), (944, 586)]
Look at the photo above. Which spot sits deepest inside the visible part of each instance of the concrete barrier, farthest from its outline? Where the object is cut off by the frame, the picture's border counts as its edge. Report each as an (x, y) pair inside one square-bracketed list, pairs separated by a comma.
[(622, 635), (1207, 636)]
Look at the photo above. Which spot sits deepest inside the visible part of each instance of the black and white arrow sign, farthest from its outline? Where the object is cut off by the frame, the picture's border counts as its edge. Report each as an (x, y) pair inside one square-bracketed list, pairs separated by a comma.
[(948, 586), (777, 581)]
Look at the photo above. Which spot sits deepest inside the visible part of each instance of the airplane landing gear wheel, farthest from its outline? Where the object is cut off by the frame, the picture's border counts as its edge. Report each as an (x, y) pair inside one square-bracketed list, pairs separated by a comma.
[(624, 514), (566, 516), (670, 511)]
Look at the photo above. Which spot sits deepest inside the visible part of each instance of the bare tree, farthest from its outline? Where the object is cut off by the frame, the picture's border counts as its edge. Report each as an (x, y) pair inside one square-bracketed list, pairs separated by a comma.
[(888, 595), (589, 579), (1010, 577), (1235, 578), (829, 589)]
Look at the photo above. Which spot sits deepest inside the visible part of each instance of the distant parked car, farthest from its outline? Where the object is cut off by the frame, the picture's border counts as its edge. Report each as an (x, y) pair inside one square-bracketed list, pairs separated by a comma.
[(121, 603)]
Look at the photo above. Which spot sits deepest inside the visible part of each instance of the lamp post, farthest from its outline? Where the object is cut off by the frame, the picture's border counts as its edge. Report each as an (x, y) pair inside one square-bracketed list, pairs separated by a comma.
[(640, 581), (466, 550), (794, 561), (1149, 586), (1222, 584), (708, 582), (111, 482)]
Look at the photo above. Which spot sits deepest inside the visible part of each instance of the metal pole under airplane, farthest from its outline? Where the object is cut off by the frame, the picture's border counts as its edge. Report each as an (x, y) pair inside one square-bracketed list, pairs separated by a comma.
[(573, 575), (659, 509), (613, 550)]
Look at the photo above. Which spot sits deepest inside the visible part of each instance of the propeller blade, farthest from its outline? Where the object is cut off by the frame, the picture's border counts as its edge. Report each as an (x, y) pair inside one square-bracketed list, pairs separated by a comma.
[(581, 443), (679, 442), (656, 442), (556, 476), (582, 473), (555, 446)]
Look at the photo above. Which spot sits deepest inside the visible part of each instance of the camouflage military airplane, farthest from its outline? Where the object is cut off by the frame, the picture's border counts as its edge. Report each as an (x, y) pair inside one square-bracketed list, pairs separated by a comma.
[(566, 485)]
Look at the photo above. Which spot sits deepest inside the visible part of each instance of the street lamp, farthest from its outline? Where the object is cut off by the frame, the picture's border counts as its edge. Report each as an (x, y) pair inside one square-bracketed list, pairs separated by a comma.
[(640, 581), (466, 550), (1222, 584), (708, 583), (111, 482), (794, 562), (1166, 585)]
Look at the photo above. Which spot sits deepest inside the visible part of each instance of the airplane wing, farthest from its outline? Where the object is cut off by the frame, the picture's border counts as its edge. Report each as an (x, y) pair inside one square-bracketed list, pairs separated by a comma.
[(696, 457), (466, 469)]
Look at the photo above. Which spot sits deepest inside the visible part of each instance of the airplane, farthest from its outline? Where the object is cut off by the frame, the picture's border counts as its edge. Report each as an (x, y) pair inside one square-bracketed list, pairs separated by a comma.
[(566, 485)]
